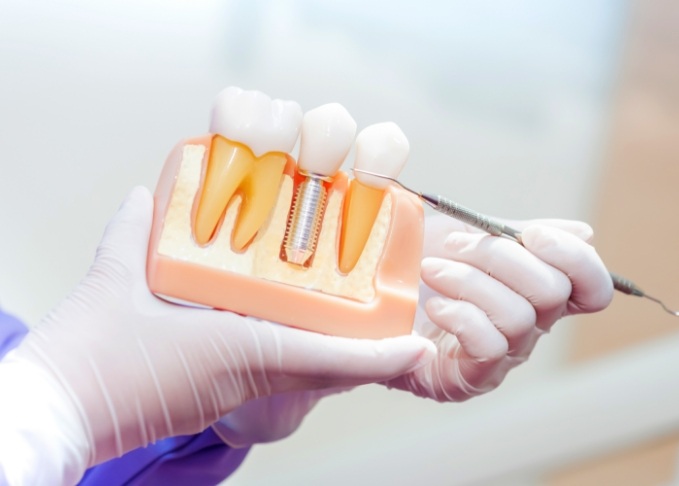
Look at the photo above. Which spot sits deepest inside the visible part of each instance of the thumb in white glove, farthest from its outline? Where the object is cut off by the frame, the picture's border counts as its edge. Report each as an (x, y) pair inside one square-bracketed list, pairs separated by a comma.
[(137, 369)]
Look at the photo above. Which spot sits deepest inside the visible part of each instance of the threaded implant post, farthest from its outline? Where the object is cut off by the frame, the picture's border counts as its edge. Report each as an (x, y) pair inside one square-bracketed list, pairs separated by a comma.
[(304, 220)]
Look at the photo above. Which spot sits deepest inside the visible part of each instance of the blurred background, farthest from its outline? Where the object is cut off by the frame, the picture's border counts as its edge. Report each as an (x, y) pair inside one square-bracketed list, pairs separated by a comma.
[(518, 109)]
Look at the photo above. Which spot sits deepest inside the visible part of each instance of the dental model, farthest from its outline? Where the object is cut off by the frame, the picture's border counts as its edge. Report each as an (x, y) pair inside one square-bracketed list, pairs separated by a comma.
[(239, 225)]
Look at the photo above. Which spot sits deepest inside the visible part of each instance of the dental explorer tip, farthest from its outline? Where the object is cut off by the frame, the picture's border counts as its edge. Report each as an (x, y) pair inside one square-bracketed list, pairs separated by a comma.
[(628, 287), (667, 309), (381, 176), (396, 181)]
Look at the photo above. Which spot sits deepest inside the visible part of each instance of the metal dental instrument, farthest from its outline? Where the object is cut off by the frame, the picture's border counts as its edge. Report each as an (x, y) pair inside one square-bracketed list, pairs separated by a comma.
[(628, 287), (495, 228)]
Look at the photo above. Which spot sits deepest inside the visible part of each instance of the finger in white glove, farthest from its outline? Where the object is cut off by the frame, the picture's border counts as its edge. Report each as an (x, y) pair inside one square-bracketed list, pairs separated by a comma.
[(592, 287), (494, 298)]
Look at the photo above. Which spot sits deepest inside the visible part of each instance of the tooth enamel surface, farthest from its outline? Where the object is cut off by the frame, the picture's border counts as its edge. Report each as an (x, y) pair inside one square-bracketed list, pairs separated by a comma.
[(255, 120), (253, 135), (327, 135), (381, 148)]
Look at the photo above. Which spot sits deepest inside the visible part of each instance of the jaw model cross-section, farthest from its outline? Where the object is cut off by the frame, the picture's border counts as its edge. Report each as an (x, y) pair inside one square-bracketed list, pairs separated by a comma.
[(240, 225)]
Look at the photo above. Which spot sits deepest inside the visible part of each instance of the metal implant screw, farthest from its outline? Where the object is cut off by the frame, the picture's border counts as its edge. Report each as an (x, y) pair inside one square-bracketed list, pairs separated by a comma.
[(304, 220)]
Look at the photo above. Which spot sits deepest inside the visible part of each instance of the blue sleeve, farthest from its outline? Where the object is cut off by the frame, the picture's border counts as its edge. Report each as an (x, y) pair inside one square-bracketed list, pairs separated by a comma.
[(12, 331), (201, 459)]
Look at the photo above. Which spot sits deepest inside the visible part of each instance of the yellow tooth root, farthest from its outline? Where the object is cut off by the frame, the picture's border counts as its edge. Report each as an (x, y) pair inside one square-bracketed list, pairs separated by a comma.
[(260, 193), (228, 165), (361, 205)]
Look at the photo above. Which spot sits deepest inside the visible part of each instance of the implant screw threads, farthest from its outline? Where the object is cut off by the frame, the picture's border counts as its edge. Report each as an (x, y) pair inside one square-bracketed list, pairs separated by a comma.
[(304, 220)]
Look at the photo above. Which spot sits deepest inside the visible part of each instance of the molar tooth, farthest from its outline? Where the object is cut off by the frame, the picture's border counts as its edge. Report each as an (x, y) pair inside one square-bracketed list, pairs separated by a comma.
[(381, 148), (255, 120), (253, 135)]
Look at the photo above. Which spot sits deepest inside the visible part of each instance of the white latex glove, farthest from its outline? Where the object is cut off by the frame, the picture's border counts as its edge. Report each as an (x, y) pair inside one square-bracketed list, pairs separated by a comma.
[(493, 299), (487, 300), (119, 368)]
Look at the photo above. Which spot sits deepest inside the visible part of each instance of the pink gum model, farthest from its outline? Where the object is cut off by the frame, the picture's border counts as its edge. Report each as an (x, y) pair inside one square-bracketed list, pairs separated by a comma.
[(396, 281)]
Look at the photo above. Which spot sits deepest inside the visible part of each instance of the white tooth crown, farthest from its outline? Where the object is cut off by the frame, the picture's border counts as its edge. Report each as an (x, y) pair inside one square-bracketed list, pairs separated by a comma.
[(381, 148), (327, 135), (255, 120)]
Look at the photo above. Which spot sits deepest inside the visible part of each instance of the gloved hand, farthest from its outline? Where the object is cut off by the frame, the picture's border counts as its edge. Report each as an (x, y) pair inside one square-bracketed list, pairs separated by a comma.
[(128, 369), (487, 300)]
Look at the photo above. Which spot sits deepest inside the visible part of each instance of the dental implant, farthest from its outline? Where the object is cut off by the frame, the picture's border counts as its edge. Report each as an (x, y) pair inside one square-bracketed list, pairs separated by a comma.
[(326, 137)]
